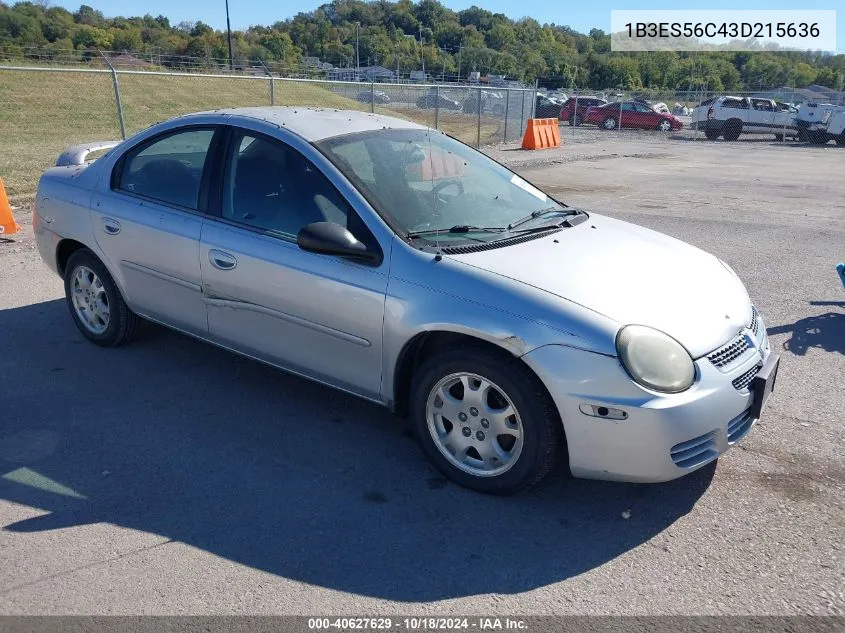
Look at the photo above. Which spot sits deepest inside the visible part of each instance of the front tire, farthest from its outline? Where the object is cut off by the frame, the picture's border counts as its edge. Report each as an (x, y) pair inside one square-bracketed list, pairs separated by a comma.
[(840, 140), (575, 121), (96, 305), (711, 135), (665, 125), (485, 420)]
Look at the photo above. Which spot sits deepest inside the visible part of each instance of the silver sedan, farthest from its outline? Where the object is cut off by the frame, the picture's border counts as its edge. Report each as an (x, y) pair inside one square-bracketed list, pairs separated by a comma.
[(393, 262)]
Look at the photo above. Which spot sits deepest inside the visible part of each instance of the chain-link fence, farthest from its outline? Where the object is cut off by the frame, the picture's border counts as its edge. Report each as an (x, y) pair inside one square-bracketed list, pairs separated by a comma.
[(46, 109)]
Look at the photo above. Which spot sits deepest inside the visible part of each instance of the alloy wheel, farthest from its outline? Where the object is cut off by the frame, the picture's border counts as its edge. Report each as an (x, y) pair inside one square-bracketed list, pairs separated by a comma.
[(474, 424)]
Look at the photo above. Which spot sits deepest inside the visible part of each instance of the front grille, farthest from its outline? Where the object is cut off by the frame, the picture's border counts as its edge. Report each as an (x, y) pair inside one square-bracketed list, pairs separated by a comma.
[(739, 426), (741, 382), (738, 346), (730, 352), (755, 324), (695, 452)]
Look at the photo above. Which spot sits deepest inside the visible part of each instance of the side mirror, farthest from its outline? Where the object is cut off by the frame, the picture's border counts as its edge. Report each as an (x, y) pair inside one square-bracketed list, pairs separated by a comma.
[(329, 238)]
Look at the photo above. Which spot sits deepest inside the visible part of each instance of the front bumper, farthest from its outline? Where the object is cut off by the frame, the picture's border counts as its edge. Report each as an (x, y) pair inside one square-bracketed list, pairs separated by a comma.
[(662, 436)]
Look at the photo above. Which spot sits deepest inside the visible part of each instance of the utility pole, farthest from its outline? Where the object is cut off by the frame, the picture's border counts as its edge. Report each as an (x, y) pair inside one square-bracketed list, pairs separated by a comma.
[(229, 32), (460, 48), (357, 49), (422, 54), (443, 76)]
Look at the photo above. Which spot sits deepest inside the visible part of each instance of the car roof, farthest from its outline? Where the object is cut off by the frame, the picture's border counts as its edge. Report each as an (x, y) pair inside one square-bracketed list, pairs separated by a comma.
[(316, 124)]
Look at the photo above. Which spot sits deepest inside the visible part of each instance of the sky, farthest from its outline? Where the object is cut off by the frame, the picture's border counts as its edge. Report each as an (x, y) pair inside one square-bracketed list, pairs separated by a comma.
[(581, 16)]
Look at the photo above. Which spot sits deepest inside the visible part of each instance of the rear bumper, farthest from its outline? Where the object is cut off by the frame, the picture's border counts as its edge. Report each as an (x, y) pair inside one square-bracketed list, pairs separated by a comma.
[(662, 437), (46, 240)]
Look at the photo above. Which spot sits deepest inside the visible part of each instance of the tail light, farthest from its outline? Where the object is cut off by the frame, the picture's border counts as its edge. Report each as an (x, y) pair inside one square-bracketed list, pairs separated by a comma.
[(711, 114)]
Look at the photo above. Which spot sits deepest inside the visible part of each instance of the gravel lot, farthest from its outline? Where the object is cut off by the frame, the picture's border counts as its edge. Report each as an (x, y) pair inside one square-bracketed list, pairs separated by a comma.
[(172, 477)]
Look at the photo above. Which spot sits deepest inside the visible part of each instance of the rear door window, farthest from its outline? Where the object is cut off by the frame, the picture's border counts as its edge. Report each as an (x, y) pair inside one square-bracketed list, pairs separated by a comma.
[(169, 169)]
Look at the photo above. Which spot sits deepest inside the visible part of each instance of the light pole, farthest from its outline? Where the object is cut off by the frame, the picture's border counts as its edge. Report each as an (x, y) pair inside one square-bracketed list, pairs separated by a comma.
[(357, 48), (229, 32)]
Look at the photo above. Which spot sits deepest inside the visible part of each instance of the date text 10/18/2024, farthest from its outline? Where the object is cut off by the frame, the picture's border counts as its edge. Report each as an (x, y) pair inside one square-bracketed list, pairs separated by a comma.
[(418, 624)]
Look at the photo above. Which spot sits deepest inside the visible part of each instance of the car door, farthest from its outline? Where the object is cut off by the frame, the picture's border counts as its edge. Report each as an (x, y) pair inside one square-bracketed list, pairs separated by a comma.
[(629, 116), (761, 115), (644, 117), (147, 224), (317, 315)]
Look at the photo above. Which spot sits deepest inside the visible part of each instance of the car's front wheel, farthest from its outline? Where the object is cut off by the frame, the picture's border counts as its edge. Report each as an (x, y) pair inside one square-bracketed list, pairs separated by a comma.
[(665, 125), (711, 135), (575, 120), (485, 420), (95, 303)]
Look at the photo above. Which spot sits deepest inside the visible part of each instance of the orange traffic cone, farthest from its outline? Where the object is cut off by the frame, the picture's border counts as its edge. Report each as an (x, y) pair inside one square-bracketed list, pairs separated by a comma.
[(7, 220)]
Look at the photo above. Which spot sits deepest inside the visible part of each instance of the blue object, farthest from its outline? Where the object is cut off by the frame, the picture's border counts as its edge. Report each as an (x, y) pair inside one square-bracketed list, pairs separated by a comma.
[(840, 268)]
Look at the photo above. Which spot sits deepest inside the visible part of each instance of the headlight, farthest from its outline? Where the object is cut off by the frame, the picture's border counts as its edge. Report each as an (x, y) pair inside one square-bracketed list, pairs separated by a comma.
[(654, 359)]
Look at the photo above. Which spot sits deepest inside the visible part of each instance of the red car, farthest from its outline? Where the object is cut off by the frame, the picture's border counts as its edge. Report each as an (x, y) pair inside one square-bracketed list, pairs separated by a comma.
[(634, 114), (574, 115)]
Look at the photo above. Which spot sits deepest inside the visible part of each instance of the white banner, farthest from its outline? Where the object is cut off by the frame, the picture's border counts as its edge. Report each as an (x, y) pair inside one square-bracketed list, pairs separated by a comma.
[(726, 30)]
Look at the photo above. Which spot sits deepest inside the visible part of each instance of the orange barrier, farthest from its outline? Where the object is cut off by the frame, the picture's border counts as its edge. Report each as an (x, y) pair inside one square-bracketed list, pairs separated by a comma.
[(541, 134), (7, 220)]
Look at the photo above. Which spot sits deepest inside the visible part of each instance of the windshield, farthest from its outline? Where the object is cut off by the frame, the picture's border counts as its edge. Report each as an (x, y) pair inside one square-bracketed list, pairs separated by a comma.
[(424, 182)]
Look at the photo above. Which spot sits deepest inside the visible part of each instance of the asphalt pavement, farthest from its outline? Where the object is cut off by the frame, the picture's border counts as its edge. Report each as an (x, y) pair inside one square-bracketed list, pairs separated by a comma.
[(171, 477)]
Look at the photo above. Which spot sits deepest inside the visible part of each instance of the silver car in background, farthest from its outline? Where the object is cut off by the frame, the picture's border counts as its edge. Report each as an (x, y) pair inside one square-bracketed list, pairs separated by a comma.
[(395, 263)]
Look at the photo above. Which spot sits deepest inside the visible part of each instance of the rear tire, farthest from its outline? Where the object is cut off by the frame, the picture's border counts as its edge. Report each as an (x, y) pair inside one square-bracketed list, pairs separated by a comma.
[(733, 128), (96, 305), (779, 138), (575, 121), (459, 400), (609, 124), (711, 135), (840, 140), (819, 138)]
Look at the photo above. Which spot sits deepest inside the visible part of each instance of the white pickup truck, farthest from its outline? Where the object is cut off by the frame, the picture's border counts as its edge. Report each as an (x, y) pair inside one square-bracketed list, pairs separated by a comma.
[(729, 117), (821, 122)]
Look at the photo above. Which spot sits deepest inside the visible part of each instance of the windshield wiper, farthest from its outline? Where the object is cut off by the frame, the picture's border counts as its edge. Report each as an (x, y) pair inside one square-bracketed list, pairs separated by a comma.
[(540, 212), (460, 229)]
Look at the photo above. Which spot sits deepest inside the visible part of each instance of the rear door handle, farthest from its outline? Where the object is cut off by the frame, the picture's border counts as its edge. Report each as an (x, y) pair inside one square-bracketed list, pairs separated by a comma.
[(110, 226), (221, 260)]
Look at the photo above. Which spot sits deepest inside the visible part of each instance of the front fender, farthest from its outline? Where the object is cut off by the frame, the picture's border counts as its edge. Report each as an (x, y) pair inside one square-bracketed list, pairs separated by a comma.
[(430, 295)]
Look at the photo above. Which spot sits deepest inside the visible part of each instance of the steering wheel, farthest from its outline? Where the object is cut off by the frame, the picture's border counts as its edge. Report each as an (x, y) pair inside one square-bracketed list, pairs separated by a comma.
[(443, 184)]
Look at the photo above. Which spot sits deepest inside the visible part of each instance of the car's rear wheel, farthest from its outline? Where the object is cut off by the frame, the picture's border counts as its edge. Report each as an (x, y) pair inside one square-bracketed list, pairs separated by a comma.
[(665, 125), (609, 123), (779, 137), (485, 420), (840, 140), (733, 128), (575, 120), (95, 304), (819, 137), (711, 135)]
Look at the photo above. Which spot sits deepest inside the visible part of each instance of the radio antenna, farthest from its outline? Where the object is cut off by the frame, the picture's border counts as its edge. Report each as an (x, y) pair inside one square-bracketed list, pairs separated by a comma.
[(438, 255)]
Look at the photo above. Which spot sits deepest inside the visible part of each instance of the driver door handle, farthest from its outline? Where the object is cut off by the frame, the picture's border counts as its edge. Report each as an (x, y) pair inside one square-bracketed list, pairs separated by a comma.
[(222, 260)]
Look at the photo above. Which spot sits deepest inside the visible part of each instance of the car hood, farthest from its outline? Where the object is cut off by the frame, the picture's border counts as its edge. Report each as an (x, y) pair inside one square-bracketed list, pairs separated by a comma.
[(632, 275)]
